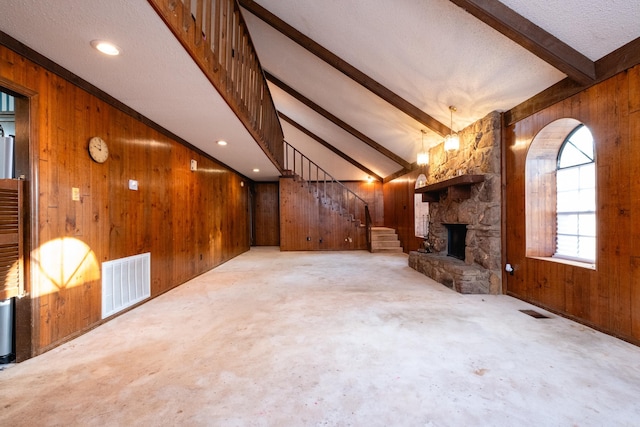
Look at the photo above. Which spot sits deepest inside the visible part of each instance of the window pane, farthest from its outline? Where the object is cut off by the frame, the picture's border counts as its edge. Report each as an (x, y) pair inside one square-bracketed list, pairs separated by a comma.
[(421, 210), (587, 247), (571, 156), (576, 197), (568, 201), (587, 225), (567, 224), (588, 176), (567, 245), (583, 140), (587, 200), (577, 149), (568, 179)]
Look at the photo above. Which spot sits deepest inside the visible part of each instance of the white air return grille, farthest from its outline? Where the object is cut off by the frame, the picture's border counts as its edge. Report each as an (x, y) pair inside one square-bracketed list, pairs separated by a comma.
[(125, 282)]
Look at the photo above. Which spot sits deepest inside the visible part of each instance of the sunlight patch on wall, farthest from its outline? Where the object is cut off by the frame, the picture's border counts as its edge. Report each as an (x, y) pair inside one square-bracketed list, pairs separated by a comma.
[(64, 263)]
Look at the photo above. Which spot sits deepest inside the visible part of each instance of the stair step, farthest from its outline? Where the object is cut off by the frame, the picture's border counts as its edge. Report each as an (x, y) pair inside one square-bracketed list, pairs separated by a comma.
[(383, 237), (376, 250), (386, 243)]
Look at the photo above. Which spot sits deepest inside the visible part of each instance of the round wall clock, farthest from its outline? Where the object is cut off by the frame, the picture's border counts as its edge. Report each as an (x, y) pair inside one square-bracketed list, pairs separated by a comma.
[(98, 149)]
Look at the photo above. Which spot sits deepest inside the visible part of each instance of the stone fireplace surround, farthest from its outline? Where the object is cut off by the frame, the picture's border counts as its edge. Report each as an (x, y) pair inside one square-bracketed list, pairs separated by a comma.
[(480, 271)]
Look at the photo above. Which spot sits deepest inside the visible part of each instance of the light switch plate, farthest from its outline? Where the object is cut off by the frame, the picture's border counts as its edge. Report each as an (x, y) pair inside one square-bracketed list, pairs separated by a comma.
[(133, 185), (75, 194)]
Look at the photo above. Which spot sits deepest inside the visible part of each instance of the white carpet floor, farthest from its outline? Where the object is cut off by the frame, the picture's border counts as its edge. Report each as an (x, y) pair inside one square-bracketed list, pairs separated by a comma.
[(327, 338)]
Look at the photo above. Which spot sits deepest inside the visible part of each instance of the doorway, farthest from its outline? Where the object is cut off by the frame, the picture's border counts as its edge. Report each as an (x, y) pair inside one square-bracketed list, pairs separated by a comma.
[(15, 332)]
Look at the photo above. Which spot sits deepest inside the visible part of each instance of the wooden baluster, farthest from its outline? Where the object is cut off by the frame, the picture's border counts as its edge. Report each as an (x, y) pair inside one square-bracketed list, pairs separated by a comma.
[(186, 15), (197, 37), (208, 51), (230, 46), (222, 22), (217, 36)]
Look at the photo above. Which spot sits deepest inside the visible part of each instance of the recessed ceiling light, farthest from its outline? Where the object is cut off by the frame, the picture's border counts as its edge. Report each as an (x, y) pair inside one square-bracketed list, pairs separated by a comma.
[(222, 142), (106, 47), (256, 170)]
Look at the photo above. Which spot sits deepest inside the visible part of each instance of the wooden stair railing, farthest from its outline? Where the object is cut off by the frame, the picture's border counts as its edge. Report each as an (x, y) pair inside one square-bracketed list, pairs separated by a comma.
[(368, 224), (329, 190), (215, 35)]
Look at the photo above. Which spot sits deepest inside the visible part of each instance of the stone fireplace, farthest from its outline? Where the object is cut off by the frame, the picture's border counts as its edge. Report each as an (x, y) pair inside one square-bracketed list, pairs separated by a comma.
[(464, 193)]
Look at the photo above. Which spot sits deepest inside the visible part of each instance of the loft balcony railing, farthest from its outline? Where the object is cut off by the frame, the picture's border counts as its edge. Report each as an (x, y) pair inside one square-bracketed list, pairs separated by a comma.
[(214, 33), (328, 189)]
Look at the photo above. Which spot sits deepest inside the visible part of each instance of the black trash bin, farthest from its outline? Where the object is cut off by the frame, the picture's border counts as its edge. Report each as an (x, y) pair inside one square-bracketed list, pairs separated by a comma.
[(6, 331)]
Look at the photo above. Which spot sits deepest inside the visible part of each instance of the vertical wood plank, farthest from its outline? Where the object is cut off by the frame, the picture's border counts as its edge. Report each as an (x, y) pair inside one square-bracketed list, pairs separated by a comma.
[(267, 214), (171, 215), (607, 298), (634, 219)]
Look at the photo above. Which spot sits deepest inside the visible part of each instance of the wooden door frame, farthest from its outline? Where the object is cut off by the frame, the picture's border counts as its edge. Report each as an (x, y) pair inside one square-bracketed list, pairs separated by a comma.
[(26, 113)]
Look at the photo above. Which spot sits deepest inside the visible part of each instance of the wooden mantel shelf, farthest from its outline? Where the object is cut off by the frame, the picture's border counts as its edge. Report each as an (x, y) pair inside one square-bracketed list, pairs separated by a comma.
[(458, 187)]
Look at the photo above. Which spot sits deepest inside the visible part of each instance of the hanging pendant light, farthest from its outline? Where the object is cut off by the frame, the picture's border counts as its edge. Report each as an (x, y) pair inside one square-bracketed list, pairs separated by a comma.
[(452, 141), (423, 155)]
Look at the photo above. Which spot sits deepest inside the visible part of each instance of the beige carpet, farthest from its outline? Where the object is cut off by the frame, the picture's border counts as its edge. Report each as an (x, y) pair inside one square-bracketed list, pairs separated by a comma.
[(337, 339)]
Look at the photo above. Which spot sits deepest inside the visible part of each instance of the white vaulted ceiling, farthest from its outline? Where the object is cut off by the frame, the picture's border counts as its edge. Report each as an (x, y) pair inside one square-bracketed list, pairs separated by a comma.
[(431, 53)]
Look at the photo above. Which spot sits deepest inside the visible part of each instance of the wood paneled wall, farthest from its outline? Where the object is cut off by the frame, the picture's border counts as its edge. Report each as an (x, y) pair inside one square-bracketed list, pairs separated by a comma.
[(608, 297), (372, 193), (399, 212), (266, 214), (306, 224), (189, 221)]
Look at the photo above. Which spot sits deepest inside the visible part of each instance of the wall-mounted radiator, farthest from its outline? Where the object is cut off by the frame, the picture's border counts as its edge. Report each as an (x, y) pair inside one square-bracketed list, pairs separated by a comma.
[(125, 282)]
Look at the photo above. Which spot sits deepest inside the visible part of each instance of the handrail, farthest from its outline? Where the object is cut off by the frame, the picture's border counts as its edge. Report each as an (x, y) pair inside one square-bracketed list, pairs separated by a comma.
[(368, 225), (300, 172), (296, 163), (214, 33)]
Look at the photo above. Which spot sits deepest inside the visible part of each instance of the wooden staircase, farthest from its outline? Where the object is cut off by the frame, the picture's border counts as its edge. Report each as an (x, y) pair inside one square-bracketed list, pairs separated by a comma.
[(309, 220), (329, 217), (384, 239)]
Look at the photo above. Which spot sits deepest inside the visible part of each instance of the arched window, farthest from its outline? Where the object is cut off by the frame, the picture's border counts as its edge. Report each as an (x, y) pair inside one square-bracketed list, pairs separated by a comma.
[(421, 210), (576, 197), (560, 194)]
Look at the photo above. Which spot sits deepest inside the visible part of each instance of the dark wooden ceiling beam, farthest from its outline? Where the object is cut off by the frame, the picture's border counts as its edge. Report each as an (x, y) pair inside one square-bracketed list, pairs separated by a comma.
[(533, 38), (344, 67), (336, 121), (621, 59), (328, 146)]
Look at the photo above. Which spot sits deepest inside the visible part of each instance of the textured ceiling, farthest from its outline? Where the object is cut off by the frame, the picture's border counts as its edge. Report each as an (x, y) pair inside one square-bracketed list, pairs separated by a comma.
[(154, 75), (593, 28), (429, 52)]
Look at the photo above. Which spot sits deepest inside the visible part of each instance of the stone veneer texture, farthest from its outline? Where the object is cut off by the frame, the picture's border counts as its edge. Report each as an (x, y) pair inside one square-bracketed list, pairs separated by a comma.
[(479, 154)]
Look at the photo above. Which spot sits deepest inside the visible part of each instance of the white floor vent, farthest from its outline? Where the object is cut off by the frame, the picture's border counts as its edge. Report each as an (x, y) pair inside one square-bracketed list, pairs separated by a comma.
[(125, 282)]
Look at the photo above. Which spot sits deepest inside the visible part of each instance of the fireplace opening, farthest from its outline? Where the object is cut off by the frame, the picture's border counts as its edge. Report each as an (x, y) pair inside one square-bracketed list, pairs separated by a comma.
[(456, 240)]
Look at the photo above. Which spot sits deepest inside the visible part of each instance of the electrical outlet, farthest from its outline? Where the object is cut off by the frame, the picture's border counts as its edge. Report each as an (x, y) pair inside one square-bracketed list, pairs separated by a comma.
[(75, 194), (133, 185), (194, 165)]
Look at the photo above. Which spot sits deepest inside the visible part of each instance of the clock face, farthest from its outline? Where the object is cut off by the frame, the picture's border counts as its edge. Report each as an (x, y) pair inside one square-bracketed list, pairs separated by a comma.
[(98, 149)]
